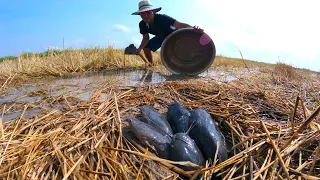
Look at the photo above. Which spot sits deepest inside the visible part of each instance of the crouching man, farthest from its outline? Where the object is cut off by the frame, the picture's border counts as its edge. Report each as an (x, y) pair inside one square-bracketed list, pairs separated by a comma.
[(159, 25)]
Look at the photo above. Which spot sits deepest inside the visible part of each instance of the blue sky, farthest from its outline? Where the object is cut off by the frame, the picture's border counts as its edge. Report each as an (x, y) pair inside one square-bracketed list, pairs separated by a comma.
[(263, 30)]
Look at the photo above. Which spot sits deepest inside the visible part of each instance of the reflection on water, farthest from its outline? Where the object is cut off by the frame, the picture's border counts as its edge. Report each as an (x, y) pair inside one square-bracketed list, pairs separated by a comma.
[(218, 76), (17, 93), (126, 77), (82, 86), (29, 113)]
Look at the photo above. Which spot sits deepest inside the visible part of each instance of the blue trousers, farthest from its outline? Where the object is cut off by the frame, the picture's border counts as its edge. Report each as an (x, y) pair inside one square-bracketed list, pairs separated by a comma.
[(155, 43)]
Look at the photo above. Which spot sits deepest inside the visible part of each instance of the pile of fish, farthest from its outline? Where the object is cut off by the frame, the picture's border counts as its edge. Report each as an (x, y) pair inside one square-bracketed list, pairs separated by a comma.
[(181, 135)]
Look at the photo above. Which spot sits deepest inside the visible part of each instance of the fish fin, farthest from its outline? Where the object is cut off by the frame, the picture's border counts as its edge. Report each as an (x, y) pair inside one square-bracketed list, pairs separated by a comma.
[(162, 130), (191, 127), (150, 146)]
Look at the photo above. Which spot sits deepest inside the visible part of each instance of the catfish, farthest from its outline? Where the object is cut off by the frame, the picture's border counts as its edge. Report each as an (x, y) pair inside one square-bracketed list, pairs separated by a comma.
[(150, 137), (152, 117), (178, 117), (183, 148), (207, 135)]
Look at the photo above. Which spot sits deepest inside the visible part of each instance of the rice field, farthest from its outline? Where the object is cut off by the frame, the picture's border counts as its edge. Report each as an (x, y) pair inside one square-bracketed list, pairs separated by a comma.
[(269, 116)]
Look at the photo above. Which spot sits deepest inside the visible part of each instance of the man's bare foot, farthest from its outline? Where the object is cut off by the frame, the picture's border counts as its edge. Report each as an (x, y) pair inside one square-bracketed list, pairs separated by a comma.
[(148, 65), (151, 64)]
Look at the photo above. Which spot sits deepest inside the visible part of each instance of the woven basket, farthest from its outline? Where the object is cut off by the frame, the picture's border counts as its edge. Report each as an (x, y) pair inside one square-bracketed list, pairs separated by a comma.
[(187, 52)]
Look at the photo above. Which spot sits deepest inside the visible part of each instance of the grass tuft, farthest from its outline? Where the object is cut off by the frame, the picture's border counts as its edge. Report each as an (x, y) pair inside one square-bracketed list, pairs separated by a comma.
[(283, 72)]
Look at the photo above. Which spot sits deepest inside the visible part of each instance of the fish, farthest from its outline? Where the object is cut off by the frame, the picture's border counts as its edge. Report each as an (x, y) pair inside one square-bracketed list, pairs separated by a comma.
[(183, 148), (207, 135), (150, 137), (178, 117), (152, 117)]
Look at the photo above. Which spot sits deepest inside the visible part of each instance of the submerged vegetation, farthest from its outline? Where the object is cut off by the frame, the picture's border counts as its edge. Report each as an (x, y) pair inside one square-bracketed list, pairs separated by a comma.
[(269, 116)]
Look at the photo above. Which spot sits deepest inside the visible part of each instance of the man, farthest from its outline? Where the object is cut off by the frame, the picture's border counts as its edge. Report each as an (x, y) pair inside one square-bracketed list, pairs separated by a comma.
[(160, 25)]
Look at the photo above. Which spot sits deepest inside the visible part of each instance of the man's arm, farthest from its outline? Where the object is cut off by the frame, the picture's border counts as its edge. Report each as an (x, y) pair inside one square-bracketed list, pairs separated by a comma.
[(179, 25), (144, 42)]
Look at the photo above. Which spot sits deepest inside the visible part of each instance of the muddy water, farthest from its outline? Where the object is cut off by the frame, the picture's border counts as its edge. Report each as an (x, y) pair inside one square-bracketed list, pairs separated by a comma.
[(82, 86)]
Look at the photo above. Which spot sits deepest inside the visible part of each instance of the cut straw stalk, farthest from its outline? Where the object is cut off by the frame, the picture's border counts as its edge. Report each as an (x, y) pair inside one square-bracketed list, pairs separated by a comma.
[(160, 160), (8, 81), (255, 136), (304, 175), (91, 117), (294, 113), (257, 174), (316, 154), (141, 166), (73, 168), (300, 141), (276, 150), (119, 144), (95, 172), (238, 157), (11, 136), (269, 161), (302, 127), (1, 129)]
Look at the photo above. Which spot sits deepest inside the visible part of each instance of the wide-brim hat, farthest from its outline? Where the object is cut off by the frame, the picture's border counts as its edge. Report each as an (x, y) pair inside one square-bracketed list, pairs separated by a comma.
[(144, 6)]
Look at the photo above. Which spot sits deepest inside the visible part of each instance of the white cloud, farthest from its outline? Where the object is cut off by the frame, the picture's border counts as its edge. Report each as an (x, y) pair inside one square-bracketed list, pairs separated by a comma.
[(79, 42), (76, 43), (118, 43), (55, 48), (121, 28), (136, 39), (277, 27)]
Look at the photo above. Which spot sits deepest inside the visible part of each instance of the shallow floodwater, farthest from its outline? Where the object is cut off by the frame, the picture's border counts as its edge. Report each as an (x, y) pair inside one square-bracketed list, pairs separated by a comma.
[(83, 85)]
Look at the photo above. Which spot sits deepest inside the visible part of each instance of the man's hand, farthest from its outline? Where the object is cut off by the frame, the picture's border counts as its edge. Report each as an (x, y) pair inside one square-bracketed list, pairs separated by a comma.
[(180, 25), (138, 51), (197, 28)]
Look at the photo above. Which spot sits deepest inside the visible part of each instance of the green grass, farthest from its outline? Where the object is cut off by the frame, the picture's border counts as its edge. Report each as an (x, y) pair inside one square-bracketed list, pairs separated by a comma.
[(8, 58), (43, 54), (27, 55)]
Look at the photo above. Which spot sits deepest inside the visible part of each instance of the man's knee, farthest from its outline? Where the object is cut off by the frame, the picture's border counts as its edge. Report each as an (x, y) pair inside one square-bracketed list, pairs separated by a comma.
[(155, 43), (146, 49)]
